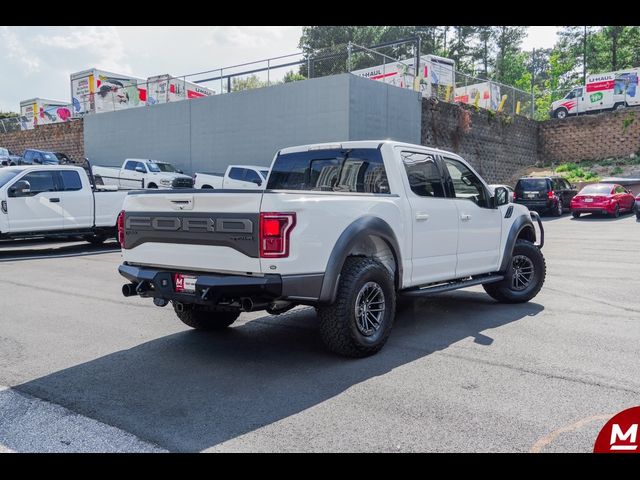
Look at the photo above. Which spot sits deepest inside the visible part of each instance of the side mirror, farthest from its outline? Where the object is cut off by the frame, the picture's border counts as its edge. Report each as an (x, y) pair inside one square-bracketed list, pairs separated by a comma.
[(500, 196), (179, 171), (140, 170), (257, 182), (20, 189)]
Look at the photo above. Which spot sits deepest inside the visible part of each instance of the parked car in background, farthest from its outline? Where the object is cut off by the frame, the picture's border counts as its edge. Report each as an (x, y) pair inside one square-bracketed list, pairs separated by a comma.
[(142, 173), (243, 177), (8, 158), (545, 194), (39, 157), (509, 189), (56, 200), (605, 198), (637, 207), (63, 158)]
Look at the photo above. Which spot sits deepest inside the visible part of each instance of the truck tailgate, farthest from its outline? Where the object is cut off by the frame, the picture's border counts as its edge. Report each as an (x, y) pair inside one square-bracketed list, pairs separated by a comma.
[(205, 231)]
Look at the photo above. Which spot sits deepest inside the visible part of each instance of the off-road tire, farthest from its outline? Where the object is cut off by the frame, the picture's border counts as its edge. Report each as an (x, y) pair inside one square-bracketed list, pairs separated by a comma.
[(503, 292), (337, 322), (202, 318)]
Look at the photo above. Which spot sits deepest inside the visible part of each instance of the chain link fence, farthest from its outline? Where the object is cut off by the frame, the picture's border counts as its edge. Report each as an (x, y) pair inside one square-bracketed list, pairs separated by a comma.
[(399, 63)]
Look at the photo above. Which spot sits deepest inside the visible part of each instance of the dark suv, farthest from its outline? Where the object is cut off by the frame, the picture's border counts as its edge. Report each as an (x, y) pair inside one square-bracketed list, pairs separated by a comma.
[(545, 194), (39, 157)]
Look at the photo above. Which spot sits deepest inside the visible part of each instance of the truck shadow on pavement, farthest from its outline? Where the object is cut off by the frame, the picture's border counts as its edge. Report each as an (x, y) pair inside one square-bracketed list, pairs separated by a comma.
[(17, 250), (191, 390)]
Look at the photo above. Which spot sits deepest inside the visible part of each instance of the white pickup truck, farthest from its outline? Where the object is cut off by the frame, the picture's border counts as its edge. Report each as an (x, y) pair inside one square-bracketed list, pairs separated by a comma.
[(138, 173), (56, 200), (242, 177), (343, 227)]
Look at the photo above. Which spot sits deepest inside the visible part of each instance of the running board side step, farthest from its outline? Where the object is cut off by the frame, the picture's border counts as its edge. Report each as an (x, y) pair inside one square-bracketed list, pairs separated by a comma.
[(419, 292)]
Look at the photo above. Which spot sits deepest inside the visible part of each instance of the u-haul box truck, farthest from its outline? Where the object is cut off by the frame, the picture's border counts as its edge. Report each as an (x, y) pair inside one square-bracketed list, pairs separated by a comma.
[(602, 91), (165, 88), (96, 91), (40, 111), (434, 71), (489, 93)]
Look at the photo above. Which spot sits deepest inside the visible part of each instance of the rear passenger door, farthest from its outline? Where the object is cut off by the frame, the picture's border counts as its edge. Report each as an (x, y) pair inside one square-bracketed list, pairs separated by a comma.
[(434, 219), (480, 225), (77, 204)]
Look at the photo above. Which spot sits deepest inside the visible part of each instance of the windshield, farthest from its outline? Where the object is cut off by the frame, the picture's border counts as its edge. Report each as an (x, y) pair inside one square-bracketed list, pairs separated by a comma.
[(161, 167), (532, 184), (596, 190), (4, 152), (7, 174), (264, 173), (49, 158)]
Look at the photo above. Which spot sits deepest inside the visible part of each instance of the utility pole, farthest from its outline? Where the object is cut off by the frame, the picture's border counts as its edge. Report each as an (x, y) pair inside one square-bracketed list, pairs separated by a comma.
[(584, 57)]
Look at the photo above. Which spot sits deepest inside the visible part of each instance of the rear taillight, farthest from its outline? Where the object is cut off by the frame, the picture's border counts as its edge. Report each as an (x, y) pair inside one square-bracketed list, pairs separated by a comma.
[(120, 224), (514, 196), (550, 194), (275, 229)]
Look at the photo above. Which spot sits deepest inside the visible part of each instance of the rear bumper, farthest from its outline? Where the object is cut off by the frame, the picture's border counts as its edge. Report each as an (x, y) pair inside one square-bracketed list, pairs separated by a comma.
[(215, 288), (604, 210), (537, 205)]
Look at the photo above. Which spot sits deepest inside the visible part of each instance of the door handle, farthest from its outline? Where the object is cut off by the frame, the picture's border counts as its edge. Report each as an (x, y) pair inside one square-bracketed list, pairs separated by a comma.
[(465, 217), (54, 200), (422, 216)]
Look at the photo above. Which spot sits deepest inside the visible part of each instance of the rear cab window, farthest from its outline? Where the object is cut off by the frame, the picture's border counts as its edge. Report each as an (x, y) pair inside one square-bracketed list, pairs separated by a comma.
[(533, 184), (357, 170)]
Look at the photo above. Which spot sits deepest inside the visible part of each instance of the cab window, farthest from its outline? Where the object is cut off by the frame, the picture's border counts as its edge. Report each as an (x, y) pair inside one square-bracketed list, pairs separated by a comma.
[(423, 174), (466, 184)]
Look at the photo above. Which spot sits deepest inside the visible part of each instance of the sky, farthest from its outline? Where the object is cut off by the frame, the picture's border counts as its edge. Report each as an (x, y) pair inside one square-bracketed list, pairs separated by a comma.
[(37, 61)]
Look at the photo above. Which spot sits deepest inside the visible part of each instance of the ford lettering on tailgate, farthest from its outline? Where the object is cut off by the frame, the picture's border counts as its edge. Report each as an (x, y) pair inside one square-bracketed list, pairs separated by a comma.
[(233, 230)]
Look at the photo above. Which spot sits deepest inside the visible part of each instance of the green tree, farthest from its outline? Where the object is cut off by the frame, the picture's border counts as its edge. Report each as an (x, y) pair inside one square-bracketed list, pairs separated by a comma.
[(508, 40), (292, 76), (247, 83), (483, 52)]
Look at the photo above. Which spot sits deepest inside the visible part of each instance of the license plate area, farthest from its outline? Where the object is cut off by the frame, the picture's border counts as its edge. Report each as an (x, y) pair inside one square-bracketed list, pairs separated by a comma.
[(588, 200), (531, 194), (184, 283)]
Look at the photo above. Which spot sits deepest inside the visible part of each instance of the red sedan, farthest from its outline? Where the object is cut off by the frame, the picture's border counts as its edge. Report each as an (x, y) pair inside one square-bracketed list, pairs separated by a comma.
[(606, 198)]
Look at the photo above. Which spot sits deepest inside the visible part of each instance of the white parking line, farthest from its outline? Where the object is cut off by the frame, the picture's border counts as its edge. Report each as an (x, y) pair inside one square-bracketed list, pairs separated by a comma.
[(28, 424)]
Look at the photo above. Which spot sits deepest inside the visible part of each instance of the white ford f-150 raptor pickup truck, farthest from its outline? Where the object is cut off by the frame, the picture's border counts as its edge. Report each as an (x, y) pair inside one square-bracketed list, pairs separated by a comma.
[(244, 177), (343, 227), (56, 200), (142, 173)]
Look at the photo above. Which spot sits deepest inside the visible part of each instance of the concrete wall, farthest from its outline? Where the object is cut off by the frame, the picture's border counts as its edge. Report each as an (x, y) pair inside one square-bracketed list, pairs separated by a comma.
[(248, 127), (497, 146), (57, 137), (590, 137)]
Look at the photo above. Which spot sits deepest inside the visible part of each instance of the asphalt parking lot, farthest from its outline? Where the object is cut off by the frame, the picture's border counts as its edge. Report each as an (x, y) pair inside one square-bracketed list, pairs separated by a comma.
[(84, 369)]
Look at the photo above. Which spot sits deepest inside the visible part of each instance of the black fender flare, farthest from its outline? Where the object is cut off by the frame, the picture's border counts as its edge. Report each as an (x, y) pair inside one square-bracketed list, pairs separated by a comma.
[(519, 224), (360, 228)]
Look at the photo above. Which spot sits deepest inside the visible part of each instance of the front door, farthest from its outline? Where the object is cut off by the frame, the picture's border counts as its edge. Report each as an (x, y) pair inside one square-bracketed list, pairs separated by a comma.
[(434, 219), (38, 208), (480, 226), (133, 175)]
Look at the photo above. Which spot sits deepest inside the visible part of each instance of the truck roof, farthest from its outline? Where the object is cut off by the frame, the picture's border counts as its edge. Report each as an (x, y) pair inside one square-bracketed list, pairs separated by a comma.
[(361, 144), (19, 168), (149, 160)]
